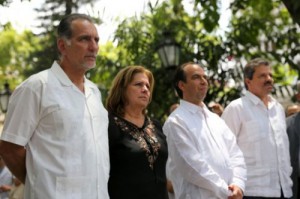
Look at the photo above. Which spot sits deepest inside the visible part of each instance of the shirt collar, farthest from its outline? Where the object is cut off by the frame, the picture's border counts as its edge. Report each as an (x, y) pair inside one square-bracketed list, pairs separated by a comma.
[(60, 74), (256, 100), (192, 107), (65, 80)]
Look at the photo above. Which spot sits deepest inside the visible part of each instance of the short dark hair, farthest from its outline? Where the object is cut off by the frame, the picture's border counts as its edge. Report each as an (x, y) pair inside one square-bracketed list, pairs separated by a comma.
[(64, 29), (181, 76), (251, 66)]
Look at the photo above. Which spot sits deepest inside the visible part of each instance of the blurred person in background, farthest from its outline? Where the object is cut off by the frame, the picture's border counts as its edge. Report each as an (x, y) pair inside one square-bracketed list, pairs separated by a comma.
[(6, 180), (293, 131), (292, 109), (17, 190)]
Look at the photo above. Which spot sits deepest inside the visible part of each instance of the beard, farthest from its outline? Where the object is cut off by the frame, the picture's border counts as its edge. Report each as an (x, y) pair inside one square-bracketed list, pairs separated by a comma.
[(89, 65)]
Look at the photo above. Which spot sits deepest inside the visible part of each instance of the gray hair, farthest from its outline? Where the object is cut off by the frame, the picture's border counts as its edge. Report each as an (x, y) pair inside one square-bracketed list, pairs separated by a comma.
[(64, 29)]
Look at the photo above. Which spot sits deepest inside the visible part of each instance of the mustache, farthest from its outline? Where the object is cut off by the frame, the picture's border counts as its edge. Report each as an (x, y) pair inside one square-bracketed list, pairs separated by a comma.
[(268, 83)]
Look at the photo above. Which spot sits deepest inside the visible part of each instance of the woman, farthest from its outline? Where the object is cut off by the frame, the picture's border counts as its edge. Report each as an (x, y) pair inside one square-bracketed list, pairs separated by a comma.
[(137, 146)]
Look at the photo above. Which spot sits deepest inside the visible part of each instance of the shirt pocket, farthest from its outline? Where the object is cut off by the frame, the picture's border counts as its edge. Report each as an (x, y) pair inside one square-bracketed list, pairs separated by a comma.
[(251, 132), (67, 124)]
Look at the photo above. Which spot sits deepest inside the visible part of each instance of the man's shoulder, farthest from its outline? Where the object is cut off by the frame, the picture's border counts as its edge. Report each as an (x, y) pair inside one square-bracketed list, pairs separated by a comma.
[(295, 118), (293, 126), (42, 75), (173, 115), (179, 111), (236, 103), (35, 80)]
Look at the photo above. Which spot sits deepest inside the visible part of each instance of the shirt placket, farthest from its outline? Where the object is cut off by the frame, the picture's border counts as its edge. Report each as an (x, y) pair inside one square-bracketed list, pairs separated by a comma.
[(97, 150), (215, 140)]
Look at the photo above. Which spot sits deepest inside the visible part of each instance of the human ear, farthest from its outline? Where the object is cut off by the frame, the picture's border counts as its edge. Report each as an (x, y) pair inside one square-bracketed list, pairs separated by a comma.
[(181, 85)]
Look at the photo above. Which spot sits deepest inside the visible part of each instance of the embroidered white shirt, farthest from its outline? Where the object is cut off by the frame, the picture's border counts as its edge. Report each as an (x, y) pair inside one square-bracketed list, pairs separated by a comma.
[(204, 156), (65, 135), (261, 135)]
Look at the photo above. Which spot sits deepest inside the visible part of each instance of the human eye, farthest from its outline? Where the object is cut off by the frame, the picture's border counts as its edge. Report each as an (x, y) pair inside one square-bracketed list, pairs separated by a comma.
[(87, 38), (147, 86), (142, 85), (199, 77), (84, 38), (138, 84), (194, 77), (263, 76), (97, 39)]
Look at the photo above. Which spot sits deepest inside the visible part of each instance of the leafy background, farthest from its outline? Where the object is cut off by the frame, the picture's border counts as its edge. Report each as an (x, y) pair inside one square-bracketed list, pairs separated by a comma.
[(257, 28)]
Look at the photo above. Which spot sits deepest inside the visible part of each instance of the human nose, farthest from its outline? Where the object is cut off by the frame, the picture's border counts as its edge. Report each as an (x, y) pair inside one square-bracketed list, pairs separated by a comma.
[(94, 45), (203, 80), (269, 77), (145, 88)]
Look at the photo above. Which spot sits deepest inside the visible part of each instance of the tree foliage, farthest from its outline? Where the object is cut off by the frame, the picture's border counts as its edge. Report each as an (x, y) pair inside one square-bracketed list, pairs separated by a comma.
[(137, 40), (15, 51), (50, 13), (264, 28), (257, 28)]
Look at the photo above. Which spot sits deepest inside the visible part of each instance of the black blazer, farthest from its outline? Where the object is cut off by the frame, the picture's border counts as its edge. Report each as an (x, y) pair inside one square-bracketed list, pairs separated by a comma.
[(293, 131)]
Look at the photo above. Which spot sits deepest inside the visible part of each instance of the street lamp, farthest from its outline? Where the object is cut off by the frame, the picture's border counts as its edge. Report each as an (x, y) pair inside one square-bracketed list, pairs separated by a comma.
[(4, 98), (169, 51)]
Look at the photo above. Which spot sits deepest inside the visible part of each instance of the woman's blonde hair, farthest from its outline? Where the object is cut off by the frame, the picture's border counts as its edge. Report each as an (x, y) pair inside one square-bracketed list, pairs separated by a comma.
[(116, 99)]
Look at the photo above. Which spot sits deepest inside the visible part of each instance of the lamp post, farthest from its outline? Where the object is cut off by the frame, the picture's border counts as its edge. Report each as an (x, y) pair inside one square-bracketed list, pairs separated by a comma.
[(4, 98), (168, 51)]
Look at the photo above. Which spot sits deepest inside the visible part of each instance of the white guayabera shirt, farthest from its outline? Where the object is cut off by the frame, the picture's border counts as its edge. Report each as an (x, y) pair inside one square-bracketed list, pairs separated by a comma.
[(204, 156), (261, 135), (65, 135)]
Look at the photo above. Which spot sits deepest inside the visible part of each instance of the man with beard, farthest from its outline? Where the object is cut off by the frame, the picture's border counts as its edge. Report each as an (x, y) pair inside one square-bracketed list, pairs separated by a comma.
[(258, 121), (55, 137)]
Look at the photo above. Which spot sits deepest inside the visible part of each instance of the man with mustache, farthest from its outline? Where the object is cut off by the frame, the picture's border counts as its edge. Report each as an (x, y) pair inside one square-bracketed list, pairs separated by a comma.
[(258, 121), (55, 137)]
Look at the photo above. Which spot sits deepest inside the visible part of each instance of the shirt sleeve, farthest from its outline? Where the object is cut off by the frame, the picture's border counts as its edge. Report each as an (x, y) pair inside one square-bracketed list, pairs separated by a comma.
[(232, 119), (191, 165), (23, 114)]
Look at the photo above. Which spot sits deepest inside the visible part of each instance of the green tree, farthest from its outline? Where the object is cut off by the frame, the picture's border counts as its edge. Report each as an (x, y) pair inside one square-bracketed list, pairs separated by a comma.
[(257, 28), (265, 28), (254, 27), (137, 40), (15, 51), (50, 13)]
